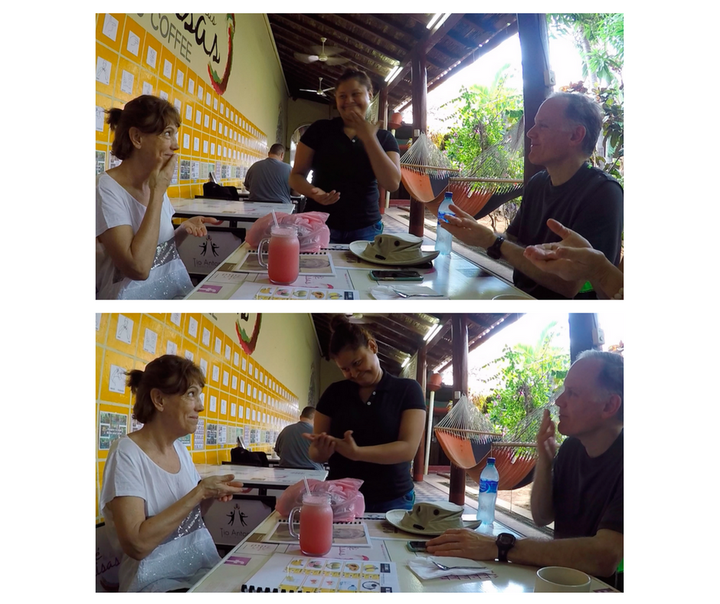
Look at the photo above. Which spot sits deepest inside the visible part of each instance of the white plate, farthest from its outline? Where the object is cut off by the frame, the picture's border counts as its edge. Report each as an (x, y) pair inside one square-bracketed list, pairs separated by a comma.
[(395, 516)]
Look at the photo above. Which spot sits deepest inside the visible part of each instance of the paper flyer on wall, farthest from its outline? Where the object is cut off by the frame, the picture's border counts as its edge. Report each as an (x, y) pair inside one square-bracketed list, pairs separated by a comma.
[(354, 534), (284, 572)]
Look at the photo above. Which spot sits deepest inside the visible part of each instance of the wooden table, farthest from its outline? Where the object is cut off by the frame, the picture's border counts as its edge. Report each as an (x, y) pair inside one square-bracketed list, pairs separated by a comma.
[(388, 544), (452, 275)]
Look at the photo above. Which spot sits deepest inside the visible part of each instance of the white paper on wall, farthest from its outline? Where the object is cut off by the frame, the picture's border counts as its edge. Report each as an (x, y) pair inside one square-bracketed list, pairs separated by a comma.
[(216, 373), (188, 112), (99, 118), (147, 88), (150, 341), (213, 403), (117, 380), (179, 78), (206, 337), (193, 327), (175, 318), (110, 27), (203, 366), (133, 44), (124, 329), (218, 345), (171, 347), (167, 69), (191, 86), (102, 72), (151, 58), (164, 95)]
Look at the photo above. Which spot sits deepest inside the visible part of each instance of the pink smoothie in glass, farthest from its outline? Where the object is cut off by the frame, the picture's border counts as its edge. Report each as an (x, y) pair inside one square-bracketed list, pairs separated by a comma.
[(316, 528), (284, 257)]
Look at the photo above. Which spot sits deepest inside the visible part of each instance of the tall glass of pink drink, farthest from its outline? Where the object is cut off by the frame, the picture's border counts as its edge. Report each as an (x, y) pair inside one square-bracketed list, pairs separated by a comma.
[(316, 524), (283, 255)]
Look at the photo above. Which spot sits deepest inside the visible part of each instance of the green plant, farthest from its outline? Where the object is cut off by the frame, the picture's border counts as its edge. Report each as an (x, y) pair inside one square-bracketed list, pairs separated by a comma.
[(481, 120), (529, 377)]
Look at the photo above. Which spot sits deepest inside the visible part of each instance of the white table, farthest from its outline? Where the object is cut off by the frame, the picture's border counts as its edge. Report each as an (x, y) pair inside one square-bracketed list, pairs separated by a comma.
[(261, 478), (251, 554), (201, 256), (452, 275)]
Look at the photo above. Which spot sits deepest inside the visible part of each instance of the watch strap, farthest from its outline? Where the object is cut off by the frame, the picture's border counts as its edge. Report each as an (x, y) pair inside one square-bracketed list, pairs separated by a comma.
[(494, 250)]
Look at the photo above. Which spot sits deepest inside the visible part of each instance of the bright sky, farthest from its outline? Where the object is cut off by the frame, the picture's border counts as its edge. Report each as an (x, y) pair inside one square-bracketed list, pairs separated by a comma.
[(527, 329), (564, 61)]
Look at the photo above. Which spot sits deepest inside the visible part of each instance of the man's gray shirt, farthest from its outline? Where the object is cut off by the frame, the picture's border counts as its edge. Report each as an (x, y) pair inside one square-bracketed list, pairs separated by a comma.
[(268, 180), (292, 447)]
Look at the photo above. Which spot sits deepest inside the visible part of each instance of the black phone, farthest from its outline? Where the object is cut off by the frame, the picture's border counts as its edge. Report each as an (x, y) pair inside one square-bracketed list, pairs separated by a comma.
[(417, 546), (396, 276)]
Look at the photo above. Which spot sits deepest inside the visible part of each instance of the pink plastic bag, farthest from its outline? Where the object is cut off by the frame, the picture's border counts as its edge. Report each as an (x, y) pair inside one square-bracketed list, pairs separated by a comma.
[(346, 500), (313, 233)]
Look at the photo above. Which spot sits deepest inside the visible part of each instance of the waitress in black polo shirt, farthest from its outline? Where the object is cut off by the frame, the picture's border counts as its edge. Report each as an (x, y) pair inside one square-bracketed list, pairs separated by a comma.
[(369, 425), (349, 157)]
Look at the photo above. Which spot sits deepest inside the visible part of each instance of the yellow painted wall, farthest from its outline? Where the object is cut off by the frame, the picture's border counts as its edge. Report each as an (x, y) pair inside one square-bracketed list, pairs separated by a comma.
[(264, 382), (223, 132)]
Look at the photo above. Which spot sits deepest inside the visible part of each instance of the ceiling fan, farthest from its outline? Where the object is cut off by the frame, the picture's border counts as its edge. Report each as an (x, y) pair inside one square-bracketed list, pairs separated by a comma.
[(320, 90), (325, 55)]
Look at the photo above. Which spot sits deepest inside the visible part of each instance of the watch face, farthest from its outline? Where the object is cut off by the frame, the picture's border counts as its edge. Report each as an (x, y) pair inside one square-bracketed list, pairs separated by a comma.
[(505, 539)]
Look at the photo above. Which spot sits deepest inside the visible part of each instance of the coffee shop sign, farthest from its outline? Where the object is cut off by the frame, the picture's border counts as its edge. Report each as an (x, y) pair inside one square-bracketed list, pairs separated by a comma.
[(211, 33)]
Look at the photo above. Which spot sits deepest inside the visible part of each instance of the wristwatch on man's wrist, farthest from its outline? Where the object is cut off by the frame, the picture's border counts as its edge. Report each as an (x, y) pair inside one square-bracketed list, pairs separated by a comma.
[(504, 542), (494, 250)]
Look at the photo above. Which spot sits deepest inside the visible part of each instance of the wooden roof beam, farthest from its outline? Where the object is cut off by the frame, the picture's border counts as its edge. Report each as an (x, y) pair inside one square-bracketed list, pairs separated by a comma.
[(427, 43)]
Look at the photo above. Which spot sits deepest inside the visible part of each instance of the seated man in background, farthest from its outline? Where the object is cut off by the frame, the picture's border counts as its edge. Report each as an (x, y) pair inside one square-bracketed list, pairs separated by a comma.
[(292, 447), (580, 489), (584, 199), (268, 179)]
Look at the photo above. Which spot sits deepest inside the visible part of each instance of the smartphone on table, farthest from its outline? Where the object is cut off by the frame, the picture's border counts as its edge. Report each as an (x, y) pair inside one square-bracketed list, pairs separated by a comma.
[(396, 276), (417, 546)]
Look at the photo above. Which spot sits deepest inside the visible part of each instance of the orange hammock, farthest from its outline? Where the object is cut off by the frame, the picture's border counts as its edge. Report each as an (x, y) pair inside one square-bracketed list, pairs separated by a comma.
[(479, 201), (425, 183), (515, 468)]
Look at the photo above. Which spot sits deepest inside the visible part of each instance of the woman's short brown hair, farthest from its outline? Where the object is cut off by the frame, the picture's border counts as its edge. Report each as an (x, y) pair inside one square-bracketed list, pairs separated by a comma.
[(170, 374), (149, 114), (355, 74), (347, 335)]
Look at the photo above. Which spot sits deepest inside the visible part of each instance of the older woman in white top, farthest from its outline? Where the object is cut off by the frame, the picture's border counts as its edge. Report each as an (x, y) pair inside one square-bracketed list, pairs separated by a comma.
[(137, 256), (152, 496)]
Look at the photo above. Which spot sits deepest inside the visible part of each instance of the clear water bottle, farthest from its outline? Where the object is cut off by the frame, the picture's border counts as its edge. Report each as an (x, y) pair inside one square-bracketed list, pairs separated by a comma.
[(487, 495), (443, 239)]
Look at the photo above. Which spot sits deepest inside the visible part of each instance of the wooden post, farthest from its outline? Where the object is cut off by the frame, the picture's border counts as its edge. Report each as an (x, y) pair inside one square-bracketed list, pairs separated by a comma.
[(581, 326), (419, 108), (532, 32), (460, 386), (421, 377), (382, 117)]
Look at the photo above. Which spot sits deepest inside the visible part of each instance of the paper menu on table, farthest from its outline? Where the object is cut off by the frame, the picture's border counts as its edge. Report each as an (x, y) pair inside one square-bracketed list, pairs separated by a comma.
[(285, 572), (353, 534), (261, 291)]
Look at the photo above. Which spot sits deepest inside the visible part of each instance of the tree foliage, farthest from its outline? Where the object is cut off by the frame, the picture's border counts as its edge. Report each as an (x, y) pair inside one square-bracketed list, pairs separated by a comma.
[(528, 375), (600, 41), (481, 120)]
